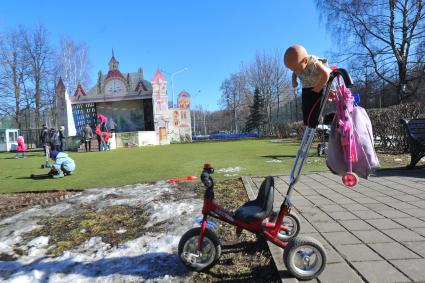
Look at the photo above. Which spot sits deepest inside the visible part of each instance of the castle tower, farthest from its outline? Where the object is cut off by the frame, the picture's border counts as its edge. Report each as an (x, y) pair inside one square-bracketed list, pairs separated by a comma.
[(64, 115), (180, 126), (160, 107)]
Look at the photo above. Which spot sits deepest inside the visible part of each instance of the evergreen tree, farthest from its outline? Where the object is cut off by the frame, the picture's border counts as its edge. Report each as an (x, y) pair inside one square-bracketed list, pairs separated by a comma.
[(256, 118)]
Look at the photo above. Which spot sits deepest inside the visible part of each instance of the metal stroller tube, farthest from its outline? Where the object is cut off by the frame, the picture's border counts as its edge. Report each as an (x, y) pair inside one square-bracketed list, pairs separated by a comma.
[(302, 154)]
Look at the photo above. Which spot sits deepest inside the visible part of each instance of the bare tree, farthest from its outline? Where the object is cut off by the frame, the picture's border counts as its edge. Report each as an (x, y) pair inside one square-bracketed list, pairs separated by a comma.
[(13, 72), (280, 83), (73, 63), (268, 74), (386, 31), (234, 89), (39, 58)]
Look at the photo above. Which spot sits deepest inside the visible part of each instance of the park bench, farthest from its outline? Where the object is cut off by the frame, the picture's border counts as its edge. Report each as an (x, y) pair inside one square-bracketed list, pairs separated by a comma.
[(415, 129)]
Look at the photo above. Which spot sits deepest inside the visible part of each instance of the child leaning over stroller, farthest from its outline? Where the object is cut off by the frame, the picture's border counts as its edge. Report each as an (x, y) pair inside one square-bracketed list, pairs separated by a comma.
[(64, 165)]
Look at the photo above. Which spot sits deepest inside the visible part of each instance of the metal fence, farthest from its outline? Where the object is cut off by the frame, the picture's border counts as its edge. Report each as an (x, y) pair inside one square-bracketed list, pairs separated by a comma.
[(32, 137), (224, 136)]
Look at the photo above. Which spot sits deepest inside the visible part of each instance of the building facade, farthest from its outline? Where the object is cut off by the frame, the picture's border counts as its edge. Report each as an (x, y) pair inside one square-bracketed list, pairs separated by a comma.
[(138, 107)]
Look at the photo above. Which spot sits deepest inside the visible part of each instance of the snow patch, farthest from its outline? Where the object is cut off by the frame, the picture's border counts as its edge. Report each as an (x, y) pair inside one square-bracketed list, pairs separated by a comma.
[(230, 175), (121, 231), (274, 161), (149, 258), (229, 169)]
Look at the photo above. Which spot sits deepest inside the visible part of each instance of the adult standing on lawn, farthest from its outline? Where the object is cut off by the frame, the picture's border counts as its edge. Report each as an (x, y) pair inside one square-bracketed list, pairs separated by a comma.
[(54, 139), (44, 138), (111, 125), (62, 138), (87, 136)]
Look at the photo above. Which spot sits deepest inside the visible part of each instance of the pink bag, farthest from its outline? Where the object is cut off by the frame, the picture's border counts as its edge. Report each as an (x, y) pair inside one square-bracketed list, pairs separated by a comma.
[(362, 140)]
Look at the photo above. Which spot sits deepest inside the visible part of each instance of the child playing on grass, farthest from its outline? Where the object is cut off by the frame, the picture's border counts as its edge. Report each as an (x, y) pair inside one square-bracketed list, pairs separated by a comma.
[(64, 165), (314, 74), (106, 138), (21, 148)]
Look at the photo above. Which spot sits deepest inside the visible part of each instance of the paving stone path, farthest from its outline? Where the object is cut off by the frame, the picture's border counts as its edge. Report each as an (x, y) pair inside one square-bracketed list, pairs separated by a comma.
[(374, 232)]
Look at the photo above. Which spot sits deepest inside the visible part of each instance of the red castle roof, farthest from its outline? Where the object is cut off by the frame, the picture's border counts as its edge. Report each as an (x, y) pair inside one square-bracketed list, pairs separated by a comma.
[(140, 86), (184, 93), (158, 76), (60, 84), (114, 74), (79, 90)]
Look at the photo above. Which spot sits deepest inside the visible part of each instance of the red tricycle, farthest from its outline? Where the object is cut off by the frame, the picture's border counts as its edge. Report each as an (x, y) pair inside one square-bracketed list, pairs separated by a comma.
[(305, 257)]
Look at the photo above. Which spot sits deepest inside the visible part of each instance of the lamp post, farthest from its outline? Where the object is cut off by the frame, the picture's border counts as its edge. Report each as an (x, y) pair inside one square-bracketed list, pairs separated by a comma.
[(194, 117), (172, 81)]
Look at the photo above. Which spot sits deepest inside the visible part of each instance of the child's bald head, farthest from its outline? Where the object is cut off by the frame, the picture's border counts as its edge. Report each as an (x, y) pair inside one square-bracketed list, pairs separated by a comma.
[(294, 58)]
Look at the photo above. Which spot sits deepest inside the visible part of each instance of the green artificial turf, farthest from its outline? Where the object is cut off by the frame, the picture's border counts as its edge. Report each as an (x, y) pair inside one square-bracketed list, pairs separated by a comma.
[(147, 164)]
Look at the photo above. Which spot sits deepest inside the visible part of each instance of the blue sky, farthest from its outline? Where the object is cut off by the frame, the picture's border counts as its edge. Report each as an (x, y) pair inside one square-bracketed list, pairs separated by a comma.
[(210, 38)]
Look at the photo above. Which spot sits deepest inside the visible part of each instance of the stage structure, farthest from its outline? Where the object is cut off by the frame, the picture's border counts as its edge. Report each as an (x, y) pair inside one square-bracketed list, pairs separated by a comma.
[(137, 106)]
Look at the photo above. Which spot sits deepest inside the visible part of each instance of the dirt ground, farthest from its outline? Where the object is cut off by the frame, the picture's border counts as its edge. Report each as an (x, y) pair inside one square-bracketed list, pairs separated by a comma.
[(12, 203), (244, 259)]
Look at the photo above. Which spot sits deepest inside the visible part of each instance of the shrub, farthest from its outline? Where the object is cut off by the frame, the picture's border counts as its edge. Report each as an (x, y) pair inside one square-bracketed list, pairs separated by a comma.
[(290, 130), (389, 133)]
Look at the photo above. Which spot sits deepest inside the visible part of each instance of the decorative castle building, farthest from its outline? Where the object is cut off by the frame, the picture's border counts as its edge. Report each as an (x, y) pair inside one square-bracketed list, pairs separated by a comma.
[(137, 106)]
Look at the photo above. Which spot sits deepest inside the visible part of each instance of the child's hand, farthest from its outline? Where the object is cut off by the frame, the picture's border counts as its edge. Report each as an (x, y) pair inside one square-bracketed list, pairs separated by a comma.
[(294, 84)]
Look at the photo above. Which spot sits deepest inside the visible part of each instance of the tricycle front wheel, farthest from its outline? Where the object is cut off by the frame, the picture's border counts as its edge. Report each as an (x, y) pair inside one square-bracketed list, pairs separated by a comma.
[(304, 257), (190, 255)]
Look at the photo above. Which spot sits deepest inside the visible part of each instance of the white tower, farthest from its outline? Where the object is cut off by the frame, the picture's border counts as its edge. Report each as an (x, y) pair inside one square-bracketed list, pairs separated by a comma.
[(64, 110)]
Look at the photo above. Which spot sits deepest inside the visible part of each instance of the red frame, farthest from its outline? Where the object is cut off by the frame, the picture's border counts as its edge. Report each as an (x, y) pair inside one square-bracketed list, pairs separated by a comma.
[(258, 227)]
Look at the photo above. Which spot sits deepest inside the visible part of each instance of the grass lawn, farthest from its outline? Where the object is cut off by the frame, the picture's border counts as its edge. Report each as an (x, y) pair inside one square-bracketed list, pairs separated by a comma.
[(146, 164)]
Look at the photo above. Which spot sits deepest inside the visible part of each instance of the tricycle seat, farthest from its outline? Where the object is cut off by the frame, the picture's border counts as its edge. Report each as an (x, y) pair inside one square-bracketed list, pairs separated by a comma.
[(262, 206)]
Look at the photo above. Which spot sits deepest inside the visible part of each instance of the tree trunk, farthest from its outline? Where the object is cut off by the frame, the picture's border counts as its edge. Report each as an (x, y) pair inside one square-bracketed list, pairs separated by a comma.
[(17, 92), (402, 76), (37, 103)]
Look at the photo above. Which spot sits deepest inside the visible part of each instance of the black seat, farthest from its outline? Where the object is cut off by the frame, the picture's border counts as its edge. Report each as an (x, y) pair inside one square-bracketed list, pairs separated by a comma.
[(262, 206)]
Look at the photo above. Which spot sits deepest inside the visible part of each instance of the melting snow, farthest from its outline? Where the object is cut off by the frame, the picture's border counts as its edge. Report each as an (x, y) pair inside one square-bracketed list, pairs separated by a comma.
[(274, 161), (150, 258), (229, 169)]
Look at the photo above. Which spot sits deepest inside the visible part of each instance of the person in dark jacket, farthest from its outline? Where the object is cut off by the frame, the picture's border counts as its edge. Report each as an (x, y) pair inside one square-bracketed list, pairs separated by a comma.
[(52, 133), (62, 139), (44, 138), (87, 136)]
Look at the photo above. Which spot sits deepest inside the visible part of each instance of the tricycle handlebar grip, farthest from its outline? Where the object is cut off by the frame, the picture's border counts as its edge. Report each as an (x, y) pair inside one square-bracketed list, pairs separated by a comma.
[(206, 179)]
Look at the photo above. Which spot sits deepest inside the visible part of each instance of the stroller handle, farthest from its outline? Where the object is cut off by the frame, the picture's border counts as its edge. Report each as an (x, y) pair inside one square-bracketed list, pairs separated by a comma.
[(345, 76)]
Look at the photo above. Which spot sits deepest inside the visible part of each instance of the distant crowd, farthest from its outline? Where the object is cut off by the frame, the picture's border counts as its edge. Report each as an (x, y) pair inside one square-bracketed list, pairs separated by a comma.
[(53, 139)]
